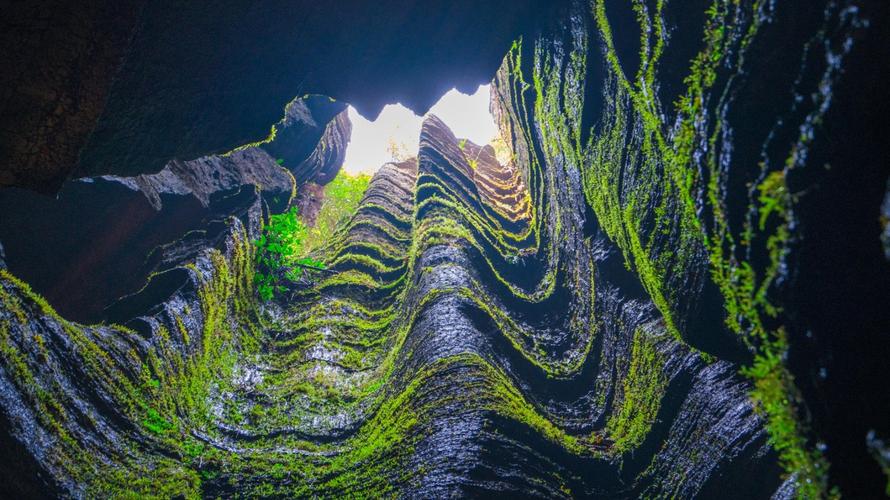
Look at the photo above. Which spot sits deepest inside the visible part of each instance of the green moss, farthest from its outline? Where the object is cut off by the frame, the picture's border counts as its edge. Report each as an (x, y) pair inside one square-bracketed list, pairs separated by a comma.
[(775, 395), (155, 423), (642, 391)]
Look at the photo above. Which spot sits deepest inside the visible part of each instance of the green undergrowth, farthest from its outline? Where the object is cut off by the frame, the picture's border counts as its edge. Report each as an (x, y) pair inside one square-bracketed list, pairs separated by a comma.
[(280, 254), (341, 200), (286, 247)]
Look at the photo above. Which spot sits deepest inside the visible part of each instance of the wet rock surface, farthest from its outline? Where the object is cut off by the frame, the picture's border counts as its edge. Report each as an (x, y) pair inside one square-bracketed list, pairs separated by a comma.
[(730, 200)]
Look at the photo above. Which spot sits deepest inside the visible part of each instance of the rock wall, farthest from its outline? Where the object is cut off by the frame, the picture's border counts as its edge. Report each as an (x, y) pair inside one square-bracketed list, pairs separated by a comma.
[(311, 139), (101, 237), (725, 180), (466, 342)]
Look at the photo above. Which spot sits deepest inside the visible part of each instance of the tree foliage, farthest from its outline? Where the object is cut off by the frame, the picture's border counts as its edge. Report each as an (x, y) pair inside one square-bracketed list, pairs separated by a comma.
[(285, 248), (280, 253), (341, 199)]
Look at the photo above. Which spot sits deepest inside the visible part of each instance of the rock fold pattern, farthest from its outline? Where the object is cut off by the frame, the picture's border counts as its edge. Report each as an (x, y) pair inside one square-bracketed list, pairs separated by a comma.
[(465, 343)]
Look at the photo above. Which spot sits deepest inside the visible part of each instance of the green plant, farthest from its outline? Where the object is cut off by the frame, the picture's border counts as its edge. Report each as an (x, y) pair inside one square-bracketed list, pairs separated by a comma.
[(279, 250), (155, 423), (284, 249)]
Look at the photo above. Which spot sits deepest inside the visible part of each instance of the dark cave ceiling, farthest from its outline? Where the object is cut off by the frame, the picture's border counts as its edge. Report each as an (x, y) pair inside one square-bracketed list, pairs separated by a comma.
[(124, 86)]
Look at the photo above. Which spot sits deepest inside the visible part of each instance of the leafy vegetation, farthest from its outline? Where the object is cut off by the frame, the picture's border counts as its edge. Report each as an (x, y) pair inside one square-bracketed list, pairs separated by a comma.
[(341, 199), (285, 247), (279, 252)]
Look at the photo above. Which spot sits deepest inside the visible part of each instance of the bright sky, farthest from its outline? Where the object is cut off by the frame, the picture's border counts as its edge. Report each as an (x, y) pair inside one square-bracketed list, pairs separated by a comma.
[(370, 146)]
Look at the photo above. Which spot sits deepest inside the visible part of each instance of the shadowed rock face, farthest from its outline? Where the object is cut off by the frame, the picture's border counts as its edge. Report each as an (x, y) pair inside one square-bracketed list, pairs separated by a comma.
[(206, 176), (657, 296), (101, 237), (59, 59), (314, 124), (89, 246), (308, 144)]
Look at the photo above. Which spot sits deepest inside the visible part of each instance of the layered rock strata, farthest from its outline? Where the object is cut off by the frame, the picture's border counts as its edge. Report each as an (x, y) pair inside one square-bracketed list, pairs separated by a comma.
[(466, 342)]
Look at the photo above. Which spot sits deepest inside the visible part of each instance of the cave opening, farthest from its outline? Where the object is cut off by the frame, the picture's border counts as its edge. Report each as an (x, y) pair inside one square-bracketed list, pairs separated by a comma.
[(395, 133)]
